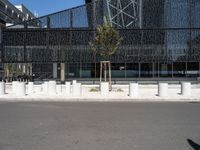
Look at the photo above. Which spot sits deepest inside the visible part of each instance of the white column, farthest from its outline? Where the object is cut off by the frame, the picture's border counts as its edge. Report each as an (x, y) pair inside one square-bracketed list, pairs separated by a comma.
[(21, 89), (45, 87), (55, 68), (133, 89), (30, 88), (76, 89), (59, 89), (186, 88), (163, 89), (38, 89), (74, 82), (2, 88), (14, 86), (104, 88), (52, 87), (62, 72), (67, 88)]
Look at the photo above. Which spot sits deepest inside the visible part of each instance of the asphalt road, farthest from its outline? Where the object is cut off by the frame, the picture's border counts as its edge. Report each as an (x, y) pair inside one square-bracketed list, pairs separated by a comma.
[(99, 126)]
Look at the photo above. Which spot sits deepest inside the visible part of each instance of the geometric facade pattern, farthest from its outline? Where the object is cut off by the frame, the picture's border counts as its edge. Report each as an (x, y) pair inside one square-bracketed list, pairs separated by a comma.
[(124, 13)]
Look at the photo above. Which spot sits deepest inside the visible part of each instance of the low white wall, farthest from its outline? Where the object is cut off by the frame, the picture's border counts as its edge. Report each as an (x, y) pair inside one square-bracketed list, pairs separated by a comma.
[(2, 88), (163, 89), (104, 88)]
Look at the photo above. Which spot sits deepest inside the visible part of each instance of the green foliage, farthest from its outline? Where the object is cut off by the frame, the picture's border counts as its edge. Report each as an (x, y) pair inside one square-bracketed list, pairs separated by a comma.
[(120, 90), (93, 90), (9, 69), (106, 42)]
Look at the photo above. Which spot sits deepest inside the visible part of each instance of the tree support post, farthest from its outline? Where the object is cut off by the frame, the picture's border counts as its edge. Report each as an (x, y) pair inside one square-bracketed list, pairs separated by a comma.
[(104, 65)]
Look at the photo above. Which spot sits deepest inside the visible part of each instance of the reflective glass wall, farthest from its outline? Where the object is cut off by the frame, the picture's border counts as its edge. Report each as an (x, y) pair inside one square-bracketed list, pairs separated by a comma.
[(161, 39)]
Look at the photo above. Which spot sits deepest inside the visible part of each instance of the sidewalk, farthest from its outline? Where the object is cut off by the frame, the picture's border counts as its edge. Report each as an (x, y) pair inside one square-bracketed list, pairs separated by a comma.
[(146, 93)]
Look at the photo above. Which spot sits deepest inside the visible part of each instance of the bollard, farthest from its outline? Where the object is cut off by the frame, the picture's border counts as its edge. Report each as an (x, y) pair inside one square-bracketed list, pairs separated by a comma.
[(21, 89), (59, 89), (14, 86), (63, 89), (74, 82), (186, 88), (52, 87), (45, 87), (67, 88), (2, 88), (163, 89), (30, 88), (104, 88), (77, 89), (133, 89)]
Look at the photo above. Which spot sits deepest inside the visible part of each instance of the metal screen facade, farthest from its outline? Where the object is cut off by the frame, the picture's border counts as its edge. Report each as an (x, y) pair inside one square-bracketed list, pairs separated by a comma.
[(161, 38)]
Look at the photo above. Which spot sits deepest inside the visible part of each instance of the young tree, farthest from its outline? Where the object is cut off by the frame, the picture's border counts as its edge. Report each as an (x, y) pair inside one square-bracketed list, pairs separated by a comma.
[(105, 44)]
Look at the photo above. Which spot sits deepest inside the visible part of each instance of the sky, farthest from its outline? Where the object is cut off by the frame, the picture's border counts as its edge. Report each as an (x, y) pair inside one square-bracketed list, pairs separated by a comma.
[(45, 7)]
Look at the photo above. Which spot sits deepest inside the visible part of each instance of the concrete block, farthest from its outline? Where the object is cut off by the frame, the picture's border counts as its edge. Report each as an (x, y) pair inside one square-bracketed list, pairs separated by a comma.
[(77, 89), (59, 89), (67, 88), (30, 88), (104, 88), (2, 88), (52, 87), (14, 86), (186, 88), (21, 89), (163, 89), (133, 89)]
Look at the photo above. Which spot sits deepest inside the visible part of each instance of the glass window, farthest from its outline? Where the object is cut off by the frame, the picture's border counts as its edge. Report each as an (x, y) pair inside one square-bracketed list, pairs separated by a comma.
[(165, 70), (192, 69), (195, 15), (178, 44), (146, 70), (73, 70), (80, 18), (118, 70), (179, 69), (88, 71), (177, 13), (60, 20), (132, 70)]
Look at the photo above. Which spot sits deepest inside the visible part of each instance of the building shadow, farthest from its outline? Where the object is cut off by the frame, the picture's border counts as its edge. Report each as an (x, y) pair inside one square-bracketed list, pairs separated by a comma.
[(194, 145)]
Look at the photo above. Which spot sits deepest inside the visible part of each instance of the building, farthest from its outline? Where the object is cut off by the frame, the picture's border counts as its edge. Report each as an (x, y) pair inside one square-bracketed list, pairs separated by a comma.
[(160, 40), (10, 15)]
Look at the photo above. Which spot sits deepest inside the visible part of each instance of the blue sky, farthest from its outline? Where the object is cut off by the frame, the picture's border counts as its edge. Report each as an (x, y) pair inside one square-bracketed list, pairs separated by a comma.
[(44, 7)]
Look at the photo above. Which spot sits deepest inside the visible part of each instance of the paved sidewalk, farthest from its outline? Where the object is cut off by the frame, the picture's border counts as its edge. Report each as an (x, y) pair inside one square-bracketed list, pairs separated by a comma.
[(146, 93)]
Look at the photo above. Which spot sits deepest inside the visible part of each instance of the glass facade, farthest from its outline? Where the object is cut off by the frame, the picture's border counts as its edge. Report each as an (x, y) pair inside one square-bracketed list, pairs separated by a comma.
[(161, 38)]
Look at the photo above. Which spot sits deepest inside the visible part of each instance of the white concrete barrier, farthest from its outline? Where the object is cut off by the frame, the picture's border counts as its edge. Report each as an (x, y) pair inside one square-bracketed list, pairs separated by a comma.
[(67, 88), (77, 89), (104, 88), (163, 89), (186, 88), (133, 89), (52, 87), (30, 88), (38, 89), (14, 86), (59, 89), (45, 86), (21, 89), (74, 82), (2, 88)]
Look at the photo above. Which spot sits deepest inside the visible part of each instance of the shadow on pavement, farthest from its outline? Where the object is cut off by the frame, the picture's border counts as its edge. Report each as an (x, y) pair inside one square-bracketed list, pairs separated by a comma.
[(194, 145)]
